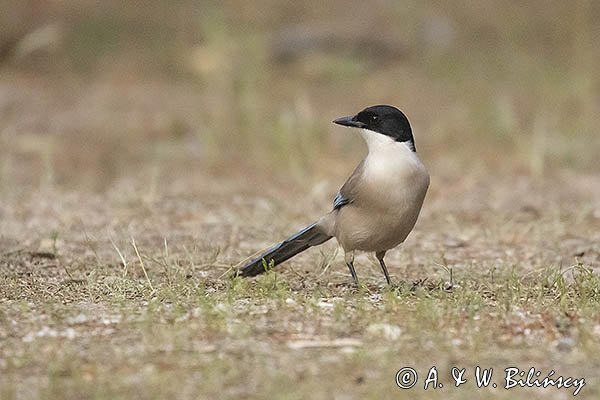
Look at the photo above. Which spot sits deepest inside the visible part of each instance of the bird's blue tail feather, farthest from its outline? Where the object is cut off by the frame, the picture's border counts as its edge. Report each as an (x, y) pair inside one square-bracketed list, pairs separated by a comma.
[(310, 236)]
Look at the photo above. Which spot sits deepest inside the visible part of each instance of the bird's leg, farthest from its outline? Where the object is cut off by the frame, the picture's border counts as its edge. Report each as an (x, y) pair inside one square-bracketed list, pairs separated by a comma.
[(380, 255), (349, 258)]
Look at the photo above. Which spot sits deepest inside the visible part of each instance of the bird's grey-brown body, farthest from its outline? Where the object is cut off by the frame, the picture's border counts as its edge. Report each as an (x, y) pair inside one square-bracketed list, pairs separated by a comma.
[(387, 191), (379, 204)]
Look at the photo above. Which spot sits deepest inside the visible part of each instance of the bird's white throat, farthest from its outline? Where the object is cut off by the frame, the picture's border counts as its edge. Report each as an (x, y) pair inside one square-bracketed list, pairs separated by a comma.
[(387, 157)]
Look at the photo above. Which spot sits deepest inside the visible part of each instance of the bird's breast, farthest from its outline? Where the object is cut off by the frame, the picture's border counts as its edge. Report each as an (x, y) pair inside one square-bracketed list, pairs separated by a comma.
[(386, 207), (393, 176)]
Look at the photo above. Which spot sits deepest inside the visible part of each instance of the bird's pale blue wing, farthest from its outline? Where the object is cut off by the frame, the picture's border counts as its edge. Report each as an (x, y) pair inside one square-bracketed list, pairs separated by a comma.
[(347, 193), (340, 200)]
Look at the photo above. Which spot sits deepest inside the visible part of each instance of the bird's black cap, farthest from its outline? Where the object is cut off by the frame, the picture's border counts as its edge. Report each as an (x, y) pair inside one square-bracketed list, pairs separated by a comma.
[(384, 119)]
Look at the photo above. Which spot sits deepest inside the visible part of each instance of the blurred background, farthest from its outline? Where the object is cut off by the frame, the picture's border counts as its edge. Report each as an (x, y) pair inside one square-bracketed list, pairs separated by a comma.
[(149, 147), (95, 94)]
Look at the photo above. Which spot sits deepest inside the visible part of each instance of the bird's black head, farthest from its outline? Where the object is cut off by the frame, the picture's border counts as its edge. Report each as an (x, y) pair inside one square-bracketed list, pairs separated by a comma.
[(386, 120)]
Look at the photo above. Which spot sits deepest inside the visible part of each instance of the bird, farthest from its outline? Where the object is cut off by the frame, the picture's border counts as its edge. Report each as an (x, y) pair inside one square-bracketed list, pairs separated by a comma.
[(379, 204)]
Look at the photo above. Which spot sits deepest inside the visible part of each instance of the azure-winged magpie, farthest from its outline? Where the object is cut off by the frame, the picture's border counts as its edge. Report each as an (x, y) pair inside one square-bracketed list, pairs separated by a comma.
[(377, 207)]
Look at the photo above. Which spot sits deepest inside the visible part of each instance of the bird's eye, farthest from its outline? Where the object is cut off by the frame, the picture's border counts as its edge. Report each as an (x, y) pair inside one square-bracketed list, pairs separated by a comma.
[(374, 117)]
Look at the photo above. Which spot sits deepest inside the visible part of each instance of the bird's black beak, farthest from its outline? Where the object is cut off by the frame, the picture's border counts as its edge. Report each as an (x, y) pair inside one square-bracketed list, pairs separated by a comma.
[(350, 121)]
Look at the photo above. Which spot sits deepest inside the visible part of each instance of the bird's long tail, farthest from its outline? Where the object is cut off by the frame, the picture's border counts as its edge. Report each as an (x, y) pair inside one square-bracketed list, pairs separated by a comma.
[(310, 236)]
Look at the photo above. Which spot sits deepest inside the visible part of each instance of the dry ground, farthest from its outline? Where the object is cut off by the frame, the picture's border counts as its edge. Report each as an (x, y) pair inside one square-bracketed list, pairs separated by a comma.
[(132, 185)]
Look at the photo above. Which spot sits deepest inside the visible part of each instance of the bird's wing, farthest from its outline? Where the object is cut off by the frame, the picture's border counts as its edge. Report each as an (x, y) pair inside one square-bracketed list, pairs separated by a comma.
[(340, 200), (347, 193)]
